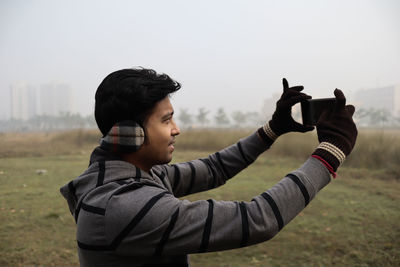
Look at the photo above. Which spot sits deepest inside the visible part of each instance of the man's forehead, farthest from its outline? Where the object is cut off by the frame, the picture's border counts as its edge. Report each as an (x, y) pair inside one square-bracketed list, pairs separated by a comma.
[(163, 108)]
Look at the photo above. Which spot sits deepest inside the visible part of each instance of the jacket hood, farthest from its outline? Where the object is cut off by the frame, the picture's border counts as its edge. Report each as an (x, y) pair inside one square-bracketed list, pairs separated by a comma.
[(94, 176)]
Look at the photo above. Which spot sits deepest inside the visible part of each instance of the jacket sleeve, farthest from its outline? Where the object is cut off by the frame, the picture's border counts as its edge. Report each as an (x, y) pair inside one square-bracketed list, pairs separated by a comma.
[(213, 171), (165, 225)]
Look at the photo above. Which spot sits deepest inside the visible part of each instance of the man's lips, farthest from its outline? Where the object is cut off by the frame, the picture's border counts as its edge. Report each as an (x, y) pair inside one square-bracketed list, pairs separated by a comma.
[(172, 143)]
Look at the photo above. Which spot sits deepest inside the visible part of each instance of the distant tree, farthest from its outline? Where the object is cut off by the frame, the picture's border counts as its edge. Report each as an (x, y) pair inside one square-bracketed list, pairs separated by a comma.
[(362, 116), (361, 113), (63, 121), (397, 121), (221, 118), (374, 117), (90, 121), (379, 117), (239, 118), (202, 116), (254, 118), (185, 117)]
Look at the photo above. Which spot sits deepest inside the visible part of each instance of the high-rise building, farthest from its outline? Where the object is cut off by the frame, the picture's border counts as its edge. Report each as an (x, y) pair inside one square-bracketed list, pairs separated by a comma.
[(54, 99), (383, 98), (23, 101), (51, 99)]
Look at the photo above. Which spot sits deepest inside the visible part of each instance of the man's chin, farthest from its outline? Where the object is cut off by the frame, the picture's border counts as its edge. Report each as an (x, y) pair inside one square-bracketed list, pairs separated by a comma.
[(166, 160), (169, 159)]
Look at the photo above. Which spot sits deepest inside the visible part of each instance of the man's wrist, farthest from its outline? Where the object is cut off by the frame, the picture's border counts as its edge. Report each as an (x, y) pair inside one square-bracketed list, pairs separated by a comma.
[(326, 164), (331, 154), (267, 136), (269, 130)]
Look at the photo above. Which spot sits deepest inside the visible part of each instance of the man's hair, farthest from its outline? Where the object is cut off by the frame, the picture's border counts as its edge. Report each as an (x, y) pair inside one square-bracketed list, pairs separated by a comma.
[(129, 94)]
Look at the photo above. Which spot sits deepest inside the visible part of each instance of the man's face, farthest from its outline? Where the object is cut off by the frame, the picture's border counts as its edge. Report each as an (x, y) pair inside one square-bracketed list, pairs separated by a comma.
[(160, 131)]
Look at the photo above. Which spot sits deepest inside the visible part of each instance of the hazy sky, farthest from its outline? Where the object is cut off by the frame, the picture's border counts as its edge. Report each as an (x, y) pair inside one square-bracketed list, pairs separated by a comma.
[(230, 54)]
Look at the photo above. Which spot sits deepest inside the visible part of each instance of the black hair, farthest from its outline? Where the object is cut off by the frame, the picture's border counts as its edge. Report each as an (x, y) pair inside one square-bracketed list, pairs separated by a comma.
[(129, 94)]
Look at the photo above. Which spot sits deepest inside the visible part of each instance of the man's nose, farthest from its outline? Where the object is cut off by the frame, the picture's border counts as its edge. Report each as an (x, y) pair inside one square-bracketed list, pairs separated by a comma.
[(175, 129)]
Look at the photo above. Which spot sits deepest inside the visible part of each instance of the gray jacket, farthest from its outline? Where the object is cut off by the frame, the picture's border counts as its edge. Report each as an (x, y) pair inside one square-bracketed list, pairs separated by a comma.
[(127, 217)]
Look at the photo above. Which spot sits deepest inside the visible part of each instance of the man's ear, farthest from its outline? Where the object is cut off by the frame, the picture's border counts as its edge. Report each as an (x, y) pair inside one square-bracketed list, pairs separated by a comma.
[(124, 137)]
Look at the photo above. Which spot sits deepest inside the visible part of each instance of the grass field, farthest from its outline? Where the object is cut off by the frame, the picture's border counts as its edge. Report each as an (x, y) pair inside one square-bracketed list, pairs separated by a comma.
[(354, 221)]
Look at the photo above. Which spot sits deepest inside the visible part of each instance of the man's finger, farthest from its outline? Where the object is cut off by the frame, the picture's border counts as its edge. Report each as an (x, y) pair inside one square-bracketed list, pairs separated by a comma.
[(303, 129), (297, 88), (351, 109), (340, 99), (285, 84), (291, 93), (297, 99)]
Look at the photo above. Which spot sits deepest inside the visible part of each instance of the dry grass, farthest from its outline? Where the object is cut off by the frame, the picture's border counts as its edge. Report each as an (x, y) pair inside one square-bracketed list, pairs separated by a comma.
[(47, 144), (375, 149)]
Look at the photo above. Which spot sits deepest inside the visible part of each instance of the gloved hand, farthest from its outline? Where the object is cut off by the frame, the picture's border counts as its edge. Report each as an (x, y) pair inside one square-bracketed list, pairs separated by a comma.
[(337, 133), (282, 120)]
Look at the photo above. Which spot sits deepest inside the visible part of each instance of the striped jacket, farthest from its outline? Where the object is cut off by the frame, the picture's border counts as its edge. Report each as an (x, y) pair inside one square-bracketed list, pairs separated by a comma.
[(127, 217)]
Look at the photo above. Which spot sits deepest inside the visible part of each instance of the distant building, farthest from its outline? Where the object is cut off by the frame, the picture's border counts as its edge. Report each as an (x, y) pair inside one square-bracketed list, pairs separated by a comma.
[(54, 99), (383, 98), (23, 101), (28, 101)]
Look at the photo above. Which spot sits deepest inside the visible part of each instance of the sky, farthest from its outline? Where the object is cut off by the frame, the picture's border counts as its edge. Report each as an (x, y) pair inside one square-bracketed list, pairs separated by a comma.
[(227, 53)]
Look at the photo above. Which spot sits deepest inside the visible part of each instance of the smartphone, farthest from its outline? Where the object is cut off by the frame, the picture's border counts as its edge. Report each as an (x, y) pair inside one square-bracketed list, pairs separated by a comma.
[(311, 109)]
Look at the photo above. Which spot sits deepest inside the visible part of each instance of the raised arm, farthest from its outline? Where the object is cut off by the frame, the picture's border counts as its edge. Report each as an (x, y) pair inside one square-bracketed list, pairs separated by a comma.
[(213, 171)]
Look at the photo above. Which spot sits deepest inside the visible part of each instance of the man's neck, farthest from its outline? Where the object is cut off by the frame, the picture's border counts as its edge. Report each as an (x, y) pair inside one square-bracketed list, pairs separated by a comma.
[(135, 159)]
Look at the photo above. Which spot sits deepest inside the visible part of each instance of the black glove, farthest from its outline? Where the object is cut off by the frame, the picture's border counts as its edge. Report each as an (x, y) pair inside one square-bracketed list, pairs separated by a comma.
[(282, 120), (337, 132)]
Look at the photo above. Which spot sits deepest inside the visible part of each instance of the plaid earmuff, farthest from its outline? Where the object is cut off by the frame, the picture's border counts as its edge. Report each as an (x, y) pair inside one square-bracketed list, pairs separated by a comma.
[(123, 137)]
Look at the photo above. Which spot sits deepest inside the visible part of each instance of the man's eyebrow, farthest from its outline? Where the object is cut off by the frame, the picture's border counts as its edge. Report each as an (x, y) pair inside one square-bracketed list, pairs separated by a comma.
[(166, 116)]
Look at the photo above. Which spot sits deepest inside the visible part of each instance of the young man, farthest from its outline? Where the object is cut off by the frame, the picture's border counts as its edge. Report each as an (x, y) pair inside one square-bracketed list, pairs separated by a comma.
[(126, 204)]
